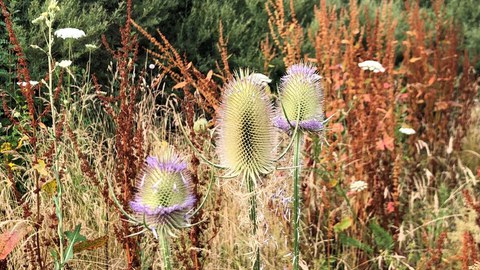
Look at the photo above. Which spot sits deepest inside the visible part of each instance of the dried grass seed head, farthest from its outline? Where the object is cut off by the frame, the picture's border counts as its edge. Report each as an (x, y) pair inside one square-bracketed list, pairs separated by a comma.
[(246, 138), (301, 95)]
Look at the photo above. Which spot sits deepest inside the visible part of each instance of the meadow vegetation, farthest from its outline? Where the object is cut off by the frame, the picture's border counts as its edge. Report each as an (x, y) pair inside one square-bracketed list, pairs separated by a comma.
[(391, 181)]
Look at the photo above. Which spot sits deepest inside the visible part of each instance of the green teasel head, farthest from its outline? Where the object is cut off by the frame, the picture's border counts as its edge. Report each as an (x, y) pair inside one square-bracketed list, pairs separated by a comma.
[(163, 198), (247, 138), (301, 96)]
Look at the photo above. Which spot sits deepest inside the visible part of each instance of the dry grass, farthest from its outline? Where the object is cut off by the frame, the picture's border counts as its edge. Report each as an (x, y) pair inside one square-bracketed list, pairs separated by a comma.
[(421, 208)]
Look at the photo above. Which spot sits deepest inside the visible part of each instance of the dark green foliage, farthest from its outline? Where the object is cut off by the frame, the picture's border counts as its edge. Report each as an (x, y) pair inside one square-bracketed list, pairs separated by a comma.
[(382, 238), (467, 13), (349, 241)]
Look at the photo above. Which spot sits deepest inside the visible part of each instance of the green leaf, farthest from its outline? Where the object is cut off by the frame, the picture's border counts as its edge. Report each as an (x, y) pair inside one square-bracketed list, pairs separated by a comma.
[(73, 237), (348, 241), (343, 225), (382, 238)]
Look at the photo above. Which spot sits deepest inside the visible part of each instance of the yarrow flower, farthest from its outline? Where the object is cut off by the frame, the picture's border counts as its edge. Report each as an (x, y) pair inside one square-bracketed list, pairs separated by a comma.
[(69, 33), (407, 130), (247, 136), (301, 95), (358, 186), (163, 196), (371, 65)]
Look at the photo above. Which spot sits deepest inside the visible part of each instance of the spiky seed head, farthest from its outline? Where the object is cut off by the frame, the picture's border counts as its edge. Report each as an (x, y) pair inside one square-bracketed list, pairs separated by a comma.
[(163, 194), (246, 135), (301, 95)]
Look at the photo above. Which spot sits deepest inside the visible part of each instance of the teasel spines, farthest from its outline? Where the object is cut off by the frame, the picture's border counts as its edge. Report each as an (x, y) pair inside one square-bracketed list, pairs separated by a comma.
[(301, 95), (163, 198), (246, 134)]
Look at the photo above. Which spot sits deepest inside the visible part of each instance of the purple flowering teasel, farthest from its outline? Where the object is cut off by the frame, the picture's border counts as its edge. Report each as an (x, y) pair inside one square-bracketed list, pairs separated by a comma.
[(163, 198), (301, 96)]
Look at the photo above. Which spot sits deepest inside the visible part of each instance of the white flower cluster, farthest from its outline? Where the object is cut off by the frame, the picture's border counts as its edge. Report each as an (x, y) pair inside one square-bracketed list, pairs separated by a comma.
[(358, 186), (64, 63), (371, 65), (260, 79), (24, 84), (69, 33), (407, 130)]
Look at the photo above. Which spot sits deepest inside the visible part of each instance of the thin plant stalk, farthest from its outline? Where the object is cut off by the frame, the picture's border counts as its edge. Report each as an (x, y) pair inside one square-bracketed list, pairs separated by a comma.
[(165, 249), (250, 179), (68, 79), (58, 197), (296, 200)]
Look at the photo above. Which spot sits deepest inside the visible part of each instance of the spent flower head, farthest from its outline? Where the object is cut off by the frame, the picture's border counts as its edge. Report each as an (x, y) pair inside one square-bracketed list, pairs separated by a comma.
[(301, 96), (65, 33), (163, 196), (91, 46), (246, 134)]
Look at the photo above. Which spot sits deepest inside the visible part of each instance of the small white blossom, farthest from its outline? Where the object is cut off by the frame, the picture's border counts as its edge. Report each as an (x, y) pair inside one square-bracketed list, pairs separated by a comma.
[(64, 63), (407, 130), (372, 65), (358, 186), (151, 66), (260, 78), (24, 84), (69, 33)]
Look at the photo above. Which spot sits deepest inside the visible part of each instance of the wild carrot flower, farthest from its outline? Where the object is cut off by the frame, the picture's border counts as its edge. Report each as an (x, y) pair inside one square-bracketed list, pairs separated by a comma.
[(246, 132), (64, 63), (301, 96), (407, 130), (163, 195), (24, 84), (65, 33), (371, 65), (358, 186)]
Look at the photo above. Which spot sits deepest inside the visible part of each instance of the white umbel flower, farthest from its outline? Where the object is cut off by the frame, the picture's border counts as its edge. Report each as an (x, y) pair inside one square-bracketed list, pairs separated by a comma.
[(64, 63), (260, 79), (358, 186), (407, 130), (69, 33), (372, 66), (24, 84)]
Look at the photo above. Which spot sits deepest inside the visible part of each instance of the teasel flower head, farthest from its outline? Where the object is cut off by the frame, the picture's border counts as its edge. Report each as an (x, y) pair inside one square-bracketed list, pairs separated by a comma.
[(301, 96), (246, 134), (163, 198)]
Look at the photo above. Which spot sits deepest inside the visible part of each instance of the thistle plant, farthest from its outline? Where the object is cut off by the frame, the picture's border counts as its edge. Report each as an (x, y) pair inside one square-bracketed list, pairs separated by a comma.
[(301, 98), (163, 200), (246, 136)]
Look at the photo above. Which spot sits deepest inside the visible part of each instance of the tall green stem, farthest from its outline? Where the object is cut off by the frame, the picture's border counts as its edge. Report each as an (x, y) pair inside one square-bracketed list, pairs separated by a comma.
[(296, 200), (250, 179), (58, 197), (165, 248)]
